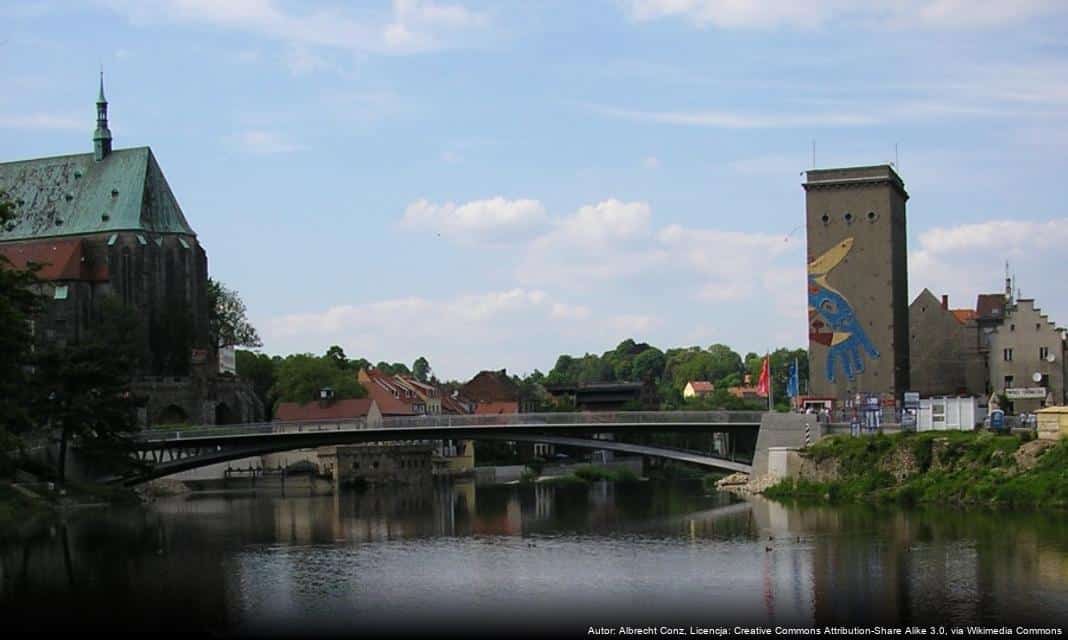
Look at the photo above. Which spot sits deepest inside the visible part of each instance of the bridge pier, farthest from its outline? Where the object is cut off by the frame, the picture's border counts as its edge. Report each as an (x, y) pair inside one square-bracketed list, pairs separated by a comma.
[(783, 430)]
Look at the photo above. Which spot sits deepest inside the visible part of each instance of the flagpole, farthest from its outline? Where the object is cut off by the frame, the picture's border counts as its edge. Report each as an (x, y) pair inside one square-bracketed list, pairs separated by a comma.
[(770, 385)]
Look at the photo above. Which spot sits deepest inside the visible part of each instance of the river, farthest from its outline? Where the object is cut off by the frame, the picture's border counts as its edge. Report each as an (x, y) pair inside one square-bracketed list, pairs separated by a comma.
[(456, 558)]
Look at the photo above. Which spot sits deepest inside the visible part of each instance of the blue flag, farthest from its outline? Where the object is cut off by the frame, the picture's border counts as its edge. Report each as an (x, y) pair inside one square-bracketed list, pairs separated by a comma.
[(792, 384)]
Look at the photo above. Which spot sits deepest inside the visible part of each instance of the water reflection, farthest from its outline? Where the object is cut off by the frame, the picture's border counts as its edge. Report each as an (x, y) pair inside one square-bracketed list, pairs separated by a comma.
[(545, 555)]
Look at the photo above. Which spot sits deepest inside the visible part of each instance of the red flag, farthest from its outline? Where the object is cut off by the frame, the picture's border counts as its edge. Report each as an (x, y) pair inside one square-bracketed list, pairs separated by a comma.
[(764, 384)]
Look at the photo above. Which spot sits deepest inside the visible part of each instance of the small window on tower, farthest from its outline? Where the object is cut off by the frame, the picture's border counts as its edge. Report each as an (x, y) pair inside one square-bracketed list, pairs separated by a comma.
[(825, 218), (872, 216), (849, 218)]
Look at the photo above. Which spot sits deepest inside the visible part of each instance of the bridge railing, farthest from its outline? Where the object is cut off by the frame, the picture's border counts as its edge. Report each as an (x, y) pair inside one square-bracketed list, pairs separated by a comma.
[(423, 422)]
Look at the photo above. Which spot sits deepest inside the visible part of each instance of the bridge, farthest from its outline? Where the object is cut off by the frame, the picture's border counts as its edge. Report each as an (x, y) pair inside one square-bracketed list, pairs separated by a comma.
[(167, 451)]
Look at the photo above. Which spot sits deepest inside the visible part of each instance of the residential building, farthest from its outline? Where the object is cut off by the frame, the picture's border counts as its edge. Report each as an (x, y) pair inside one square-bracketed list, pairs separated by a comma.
[(490, 386), (363, 410), (106, 225), (399, 396), (394, 396), (327, 409), (945, 355), (698, 389), (857, 282), (1026, 356)]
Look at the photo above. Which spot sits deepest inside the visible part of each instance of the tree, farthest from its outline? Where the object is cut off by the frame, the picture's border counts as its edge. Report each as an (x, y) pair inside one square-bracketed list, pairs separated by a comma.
[(19, 303), (337, 355), (227, 323), (648, 365), (300, 377), (259, 368), (83, 389), (421, 369)]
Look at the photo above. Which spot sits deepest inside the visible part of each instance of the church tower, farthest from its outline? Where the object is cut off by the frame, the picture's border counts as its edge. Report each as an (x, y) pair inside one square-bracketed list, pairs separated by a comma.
[(857, 282), (102, 135)]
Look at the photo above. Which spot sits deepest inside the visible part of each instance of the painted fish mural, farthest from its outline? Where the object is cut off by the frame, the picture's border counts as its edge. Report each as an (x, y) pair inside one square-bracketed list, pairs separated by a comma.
[(832, 321)]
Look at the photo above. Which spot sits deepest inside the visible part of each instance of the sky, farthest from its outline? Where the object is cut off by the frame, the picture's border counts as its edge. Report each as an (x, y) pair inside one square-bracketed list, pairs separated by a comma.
[(492, 184)]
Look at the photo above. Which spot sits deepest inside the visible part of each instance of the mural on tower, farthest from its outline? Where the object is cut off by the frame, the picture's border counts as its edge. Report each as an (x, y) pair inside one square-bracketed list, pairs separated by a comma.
[(832, 321)]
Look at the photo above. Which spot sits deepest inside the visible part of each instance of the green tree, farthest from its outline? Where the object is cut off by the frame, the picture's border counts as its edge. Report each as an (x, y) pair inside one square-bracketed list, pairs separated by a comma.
[(648, 365), (421, 369), (83, 389), (20, 301), (227, 323), (300, 377), (337, 355), (259, 368)]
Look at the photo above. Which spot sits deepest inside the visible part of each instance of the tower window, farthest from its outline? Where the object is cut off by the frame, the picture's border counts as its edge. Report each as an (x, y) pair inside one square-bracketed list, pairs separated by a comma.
[(849, 218), (872, 216), (1008, 382), (1007, 354), (1012, 327), (825, 218), (1043, 352)]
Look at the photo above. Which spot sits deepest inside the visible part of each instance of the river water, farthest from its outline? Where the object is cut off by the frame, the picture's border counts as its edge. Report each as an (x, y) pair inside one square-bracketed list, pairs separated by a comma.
[(456, 558)]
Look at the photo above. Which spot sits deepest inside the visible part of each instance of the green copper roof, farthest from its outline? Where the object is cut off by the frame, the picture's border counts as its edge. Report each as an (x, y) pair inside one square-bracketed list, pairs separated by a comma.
[(73, 195)]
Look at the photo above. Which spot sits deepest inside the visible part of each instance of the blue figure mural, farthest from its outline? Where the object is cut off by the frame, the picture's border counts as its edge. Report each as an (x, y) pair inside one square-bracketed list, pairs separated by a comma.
[(828, 309)]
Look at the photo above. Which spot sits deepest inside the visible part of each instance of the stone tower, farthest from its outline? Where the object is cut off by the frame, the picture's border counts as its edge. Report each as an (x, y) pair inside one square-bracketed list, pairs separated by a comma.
[(857, 282)]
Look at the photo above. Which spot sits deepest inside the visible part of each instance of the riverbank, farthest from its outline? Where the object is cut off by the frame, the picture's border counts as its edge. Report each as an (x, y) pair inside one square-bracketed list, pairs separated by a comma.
[(21, 500), (955, 468)]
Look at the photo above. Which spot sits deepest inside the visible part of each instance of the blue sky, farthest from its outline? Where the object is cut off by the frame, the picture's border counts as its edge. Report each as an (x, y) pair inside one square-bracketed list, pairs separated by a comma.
[(491, 184)]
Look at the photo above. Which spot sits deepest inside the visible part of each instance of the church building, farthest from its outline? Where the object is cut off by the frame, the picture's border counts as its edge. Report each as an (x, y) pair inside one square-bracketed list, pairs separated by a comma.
[(106, 224)]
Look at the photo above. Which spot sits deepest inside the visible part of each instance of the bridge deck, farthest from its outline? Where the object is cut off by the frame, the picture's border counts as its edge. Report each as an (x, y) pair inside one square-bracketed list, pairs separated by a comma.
[(171, 451)]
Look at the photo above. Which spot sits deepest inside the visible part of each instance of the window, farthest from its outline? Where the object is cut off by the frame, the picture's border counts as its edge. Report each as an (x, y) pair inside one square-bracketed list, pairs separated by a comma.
[(60, 292), (938, 412), (1038, 326), (1007, 353), (1043, 353), (1008, 381), (1012, 327)]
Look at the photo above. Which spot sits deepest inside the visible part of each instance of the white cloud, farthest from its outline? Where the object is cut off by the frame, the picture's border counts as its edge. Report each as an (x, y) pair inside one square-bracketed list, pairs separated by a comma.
[(262, 142), (606, 221), (492, 220), (412, 26), (959, 260), (463, 334), (770, 14)]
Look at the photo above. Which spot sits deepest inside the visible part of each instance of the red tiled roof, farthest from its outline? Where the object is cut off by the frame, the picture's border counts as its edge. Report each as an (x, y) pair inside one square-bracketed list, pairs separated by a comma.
[(963, 315), (61, 259), (492, 408), (702, 385), (491, 386), (387, 403), (338, 410), (452, 405)]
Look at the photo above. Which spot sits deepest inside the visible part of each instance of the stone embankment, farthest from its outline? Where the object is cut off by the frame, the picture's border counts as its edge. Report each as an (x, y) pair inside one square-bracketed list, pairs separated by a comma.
[(935, 467)]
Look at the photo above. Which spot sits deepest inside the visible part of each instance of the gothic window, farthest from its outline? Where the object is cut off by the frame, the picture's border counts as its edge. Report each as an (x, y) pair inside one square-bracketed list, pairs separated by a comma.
[(127, 276)]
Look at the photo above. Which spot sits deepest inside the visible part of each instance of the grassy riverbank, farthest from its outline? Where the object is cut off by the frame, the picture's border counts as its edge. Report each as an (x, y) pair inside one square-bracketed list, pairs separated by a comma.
[(979, 469), (19, 502)]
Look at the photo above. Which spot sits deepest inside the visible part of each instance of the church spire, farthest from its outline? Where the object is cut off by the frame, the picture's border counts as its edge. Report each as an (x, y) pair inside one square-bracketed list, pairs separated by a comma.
[(102, 135)]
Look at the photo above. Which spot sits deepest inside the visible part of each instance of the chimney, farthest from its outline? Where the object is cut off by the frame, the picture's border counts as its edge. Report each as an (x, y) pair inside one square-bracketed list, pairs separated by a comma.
[(945, 301)]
